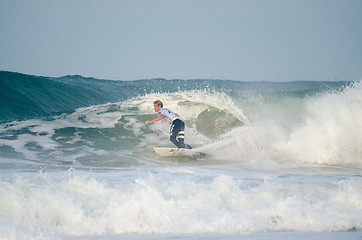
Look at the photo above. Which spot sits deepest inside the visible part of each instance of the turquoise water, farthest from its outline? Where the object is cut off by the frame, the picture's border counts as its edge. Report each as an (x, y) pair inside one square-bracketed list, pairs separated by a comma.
[(77, 159)]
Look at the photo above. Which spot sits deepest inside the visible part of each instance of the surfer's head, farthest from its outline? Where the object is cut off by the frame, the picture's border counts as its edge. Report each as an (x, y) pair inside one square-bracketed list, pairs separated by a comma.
[(157, 105)]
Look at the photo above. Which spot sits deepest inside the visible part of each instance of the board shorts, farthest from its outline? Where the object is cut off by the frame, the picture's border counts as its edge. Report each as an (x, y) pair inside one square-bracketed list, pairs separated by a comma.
[(177, 133)]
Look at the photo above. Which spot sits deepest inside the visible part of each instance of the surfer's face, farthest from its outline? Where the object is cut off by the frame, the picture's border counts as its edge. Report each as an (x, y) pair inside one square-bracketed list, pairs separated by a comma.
[(156, 107)]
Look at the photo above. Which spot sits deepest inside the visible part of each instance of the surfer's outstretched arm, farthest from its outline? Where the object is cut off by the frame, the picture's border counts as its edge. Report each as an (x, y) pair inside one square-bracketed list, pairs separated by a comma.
[(155, 120)]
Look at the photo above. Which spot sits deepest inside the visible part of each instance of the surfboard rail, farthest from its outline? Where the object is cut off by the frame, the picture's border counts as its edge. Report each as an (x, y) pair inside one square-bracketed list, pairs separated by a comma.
[(170, 152)]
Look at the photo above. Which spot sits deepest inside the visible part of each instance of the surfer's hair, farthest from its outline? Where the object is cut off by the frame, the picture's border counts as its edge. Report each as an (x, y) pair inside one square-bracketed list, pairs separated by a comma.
[(158, 103)]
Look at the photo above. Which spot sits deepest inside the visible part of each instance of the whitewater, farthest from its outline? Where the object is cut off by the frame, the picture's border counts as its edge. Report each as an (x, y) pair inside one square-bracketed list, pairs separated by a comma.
[(283, 160)]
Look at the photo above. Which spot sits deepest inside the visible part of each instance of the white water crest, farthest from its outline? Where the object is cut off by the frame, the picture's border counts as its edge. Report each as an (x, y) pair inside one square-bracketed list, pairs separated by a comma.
[(328, 132), (177, 200), (332, 130)]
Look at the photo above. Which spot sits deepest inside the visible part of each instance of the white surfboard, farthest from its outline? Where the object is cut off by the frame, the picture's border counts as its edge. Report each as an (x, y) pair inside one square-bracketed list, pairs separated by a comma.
[(170, 152)]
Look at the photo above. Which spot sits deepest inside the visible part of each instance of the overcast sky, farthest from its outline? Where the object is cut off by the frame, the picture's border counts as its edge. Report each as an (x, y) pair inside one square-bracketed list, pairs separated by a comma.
[(247, 40)]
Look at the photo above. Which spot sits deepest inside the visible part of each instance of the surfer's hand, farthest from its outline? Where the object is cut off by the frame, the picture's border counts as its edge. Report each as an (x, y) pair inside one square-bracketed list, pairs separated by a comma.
[(147, 122)]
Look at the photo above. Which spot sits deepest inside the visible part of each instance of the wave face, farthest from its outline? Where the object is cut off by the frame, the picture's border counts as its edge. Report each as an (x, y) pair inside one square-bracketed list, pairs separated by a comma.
[(76, 118), (76, 158)]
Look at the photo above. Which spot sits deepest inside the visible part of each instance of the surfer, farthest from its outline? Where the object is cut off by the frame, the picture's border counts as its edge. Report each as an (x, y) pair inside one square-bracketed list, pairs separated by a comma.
[(177, 125)]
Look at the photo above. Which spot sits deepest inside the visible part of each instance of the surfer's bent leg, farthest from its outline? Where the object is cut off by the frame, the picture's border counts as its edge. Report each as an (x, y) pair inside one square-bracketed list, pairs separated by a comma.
[(177, 133)]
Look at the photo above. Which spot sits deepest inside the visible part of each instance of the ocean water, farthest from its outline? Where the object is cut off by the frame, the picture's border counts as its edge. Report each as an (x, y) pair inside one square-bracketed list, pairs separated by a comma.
[(282, 160)]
